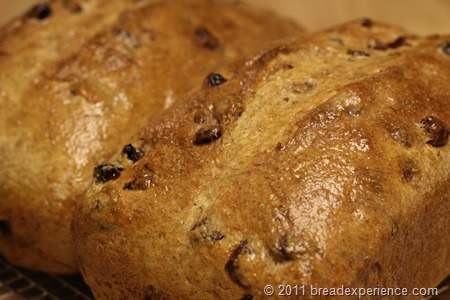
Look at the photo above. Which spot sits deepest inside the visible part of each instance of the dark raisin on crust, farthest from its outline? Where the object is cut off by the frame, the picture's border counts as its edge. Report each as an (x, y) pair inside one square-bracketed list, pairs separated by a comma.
[(205, 38), (446, 48), (134, 185), (366, 22), (247, 297), (357, 53), (280, 146), (134, 154), (409, 170), (215, 79), (207, 135), (128, 185), (40, 11), (398, 42), (232, 264), (287, 66), (205, 232), (106, 172), (436, 130), (5, 227)]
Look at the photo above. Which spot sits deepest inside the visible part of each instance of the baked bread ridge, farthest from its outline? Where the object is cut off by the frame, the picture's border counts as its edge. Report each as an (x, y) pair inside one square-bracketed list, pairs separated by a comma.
[(126, 75), (319, 164)]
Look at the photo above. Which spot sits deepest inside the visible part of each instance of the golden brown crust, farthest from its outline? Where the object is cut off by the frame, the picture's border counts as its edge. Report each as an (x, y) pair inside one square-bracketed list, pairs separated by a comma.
[(324, 161), (45, 34), (28, 46), (74, 114)]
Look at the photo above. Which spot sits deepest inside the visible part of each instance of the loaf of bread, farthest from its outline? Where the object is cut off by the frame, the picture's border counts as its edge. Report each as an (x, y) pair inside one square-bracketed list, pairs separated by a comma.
[(44, 35), (323, 162), (79, 79)]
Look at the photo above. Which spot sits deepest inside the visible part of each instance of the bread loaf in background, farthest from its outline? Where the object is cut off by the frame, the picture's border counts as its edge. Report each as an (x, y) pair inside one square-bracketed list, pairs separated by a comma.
[(29, 46), (78, 79), (322, 162), (422, 17)]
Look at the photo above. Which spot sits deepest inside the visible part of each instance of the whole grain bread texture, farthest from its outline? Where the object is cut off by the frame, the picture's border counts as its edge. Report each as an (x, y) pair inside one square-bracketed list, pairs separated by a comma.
[(75, 108), (323, 162), (46, 34)]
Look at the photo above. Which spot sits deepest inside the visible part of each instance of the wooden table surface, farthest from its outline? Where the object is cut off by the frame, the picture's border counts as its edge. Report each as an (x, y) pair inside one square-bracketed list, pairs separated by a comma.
[(418, 16)]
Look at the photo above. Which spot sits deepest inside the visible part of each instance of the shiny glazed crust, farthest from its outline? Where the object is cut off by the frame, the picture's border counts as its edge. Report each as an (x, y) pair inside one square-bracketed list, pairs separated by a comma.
[(29, 45), (324, 161), (77, 107)]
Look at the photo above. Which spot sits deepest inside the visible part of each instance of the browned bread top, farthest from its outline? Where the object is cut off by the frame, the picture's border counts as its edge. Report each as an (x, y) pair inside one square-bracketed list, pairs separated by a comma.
[(75, 113), (47, 33), (29, 45), (324, 161)]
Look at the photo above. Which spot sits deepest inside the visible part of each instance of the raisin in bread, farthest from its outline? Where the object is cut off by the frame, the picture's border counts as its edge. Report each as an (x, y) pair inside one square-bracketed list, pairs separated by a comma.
[(322, 162), (73, 114)]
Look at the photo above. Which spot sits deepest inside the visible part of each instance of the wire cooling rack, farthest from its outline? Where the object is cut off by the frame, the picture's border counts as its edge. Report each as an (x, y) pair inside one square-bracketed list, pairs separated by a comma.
[(20, 284)]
